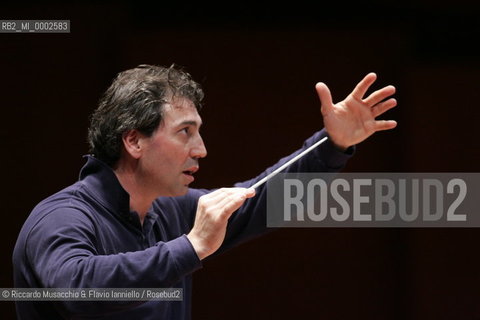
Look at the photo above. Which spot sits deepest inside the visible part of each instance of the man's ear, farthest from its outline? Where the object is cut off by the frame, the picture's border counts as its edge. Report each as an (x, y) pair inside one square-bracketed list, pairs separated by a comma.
[(131, 143)]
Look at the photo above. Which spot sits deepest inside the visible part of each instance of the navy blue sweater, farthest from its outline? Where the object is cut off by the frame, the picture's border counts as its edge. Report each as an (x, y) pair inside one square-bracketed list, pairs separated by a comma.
[(85, 236)]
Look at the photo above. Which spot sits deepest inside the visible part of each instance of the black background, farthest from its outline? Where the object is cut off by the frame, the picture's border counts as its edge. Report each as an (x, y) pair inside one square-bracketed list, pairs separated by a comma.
[(258, 64)]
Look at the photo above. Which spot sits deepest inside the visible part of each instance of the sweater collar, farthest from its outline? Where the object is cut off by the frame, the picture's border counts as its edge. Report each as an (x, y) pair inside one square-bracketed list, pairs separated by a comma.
[(102, 183)]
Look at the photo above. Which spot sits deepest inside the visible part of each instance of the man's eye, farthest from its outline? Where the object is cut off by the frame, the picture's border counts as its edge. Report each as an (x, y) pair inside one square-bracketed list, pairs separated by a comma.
[(186, 130)]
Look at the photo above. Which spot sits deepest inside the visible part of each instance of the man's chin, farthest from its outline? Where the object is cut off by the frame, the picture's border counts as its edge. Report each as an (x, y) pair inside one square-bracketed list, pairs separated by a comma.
[(174, 191), (184, 191), (179, 192)]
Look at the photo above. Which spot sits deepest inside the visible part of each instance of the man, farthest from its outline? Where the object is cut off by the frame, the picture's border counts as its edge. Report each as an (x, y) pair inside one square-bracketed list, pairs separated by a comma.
[(132, 222)]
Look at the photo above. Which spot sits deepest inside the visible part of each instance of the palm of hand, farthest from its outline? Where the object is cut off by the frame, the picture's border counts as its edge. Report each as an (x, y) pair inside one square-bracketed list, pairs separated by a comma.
[(353, 120)]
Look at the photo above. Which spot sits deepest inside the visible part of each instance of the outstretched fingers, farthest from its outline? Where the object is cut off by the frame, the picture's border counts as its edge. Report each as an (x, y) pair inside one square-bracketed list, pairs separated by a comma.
[(363, 86), (379, 95), (383, 107), (381, 125)]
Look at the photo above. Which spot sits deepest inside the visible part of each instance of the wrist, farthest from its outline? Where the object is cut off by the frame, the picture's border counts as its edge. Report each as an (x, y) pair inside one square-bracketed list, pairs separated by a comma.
[(197, 246), (339, 146)]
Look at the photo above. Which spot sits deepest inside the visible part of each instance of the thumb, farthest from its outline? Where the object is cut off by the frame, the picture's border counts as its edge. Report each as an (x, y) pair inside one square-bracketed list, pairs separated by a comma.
[(249, 193), (324, 95)]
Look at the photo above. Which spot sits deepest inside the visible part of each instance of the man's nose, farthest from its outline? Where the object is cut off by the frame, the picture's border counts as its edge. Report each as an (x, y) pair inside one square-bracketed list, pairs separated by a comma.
[(199, 150)]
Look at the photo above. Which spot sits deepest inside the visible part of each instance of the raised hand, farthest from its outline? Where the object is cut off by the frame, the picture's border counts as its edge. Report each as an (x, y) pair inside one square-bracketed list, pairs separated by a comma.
[(211, 219), (353, 120)]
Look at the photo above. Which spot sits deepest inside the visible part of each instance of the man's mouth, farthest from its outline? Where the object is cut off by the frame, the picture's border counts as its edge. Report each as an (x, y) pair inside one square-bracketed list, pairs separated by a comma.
[(190, 172)]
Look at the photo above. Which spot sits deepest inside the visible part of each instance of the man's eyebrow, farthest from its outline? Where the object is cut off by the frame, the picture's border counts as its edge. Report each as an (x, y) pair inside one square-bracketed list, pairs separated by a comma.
[(190, 123)]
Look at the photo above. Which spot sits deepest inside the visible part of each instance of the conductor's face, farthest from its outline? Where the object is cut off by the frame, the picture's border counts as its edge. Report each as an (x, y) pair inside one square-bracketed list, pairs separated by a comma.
[(171, 154)]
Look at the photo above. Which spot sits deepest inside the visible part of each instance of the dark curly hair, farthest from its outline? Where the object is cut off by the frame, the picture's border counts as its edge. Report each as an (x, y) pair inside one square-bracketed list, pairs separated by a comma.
[(135, 100)]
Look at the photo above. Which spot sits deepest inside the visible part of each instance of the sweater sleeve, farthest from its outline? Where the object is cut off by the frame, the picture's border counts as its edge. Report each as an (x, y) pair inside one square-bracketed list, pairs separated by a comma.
[(250, 220), (61, 250)]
